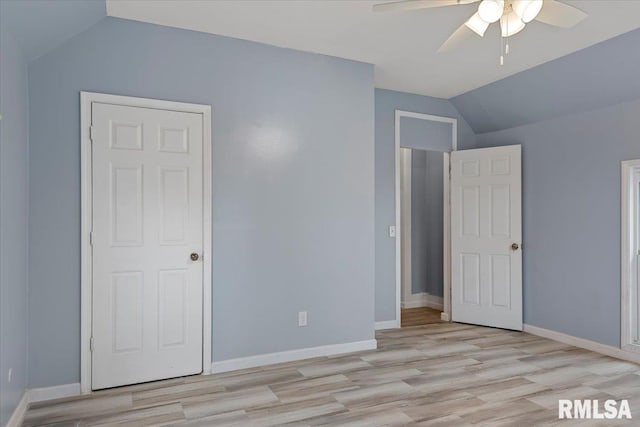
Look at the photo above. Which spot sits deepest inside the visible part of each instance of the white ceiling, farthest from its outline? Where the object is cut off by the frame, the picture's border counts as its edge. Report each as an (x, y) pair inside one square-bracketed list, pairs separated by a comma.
[(402, 45)]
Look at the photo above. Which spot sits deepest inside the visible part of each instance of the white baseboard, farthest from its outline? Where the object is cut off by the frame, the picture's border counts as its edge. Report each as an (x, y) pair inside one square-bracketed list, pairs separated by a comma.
[(387, 324), (423, 299), (435, 303), (583, 343), (18, 414), (39, 395), (292, 355), (444, 317), (55, 392)]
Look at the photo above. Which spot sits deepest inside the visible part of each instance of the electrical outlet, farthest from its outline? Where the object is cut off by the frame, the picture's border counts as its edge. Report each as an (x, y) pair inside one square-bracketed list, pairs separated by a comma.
[(392, 231), (302, 318), (9, 375)]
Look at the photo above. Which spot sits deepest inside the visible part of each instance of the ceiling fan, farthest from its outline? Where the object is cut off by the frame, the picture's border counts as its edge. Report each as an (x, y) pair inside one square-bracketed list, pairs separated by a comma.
[(512, 14)]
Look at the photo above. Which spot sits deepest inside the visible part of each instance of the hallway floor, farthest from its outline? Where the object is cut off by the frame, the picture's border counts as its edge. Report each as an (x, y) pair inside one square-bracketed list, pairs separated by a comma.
[(437, 374), (419, 316)]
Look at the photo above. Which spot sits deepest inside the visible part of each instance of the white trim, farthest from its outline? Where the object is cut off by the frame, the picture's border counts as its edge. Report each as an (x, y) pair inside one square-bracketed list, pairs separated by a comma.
[(446, 239), (413, 301), (207, 245), (291, 355), (423, 299), (430, 117), (55, 392), (398, 219), (629, 252), (582, 343), (406, 292), (86, 99), (40, 395), (386, 324), (447, 259), (21, 409)]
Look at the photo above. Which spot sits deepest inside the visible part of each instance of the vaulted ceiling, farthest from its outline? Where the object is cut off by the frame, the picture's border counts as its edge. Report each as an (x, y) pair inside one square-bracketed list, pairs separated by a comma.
[(402, 45), (548, 74), (601, 75)]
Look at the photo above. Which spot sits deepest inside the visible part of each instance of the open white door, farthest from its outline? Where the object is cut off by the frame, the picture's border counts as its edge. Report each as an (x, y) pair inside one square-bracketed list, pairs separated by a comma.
[(486, 234)]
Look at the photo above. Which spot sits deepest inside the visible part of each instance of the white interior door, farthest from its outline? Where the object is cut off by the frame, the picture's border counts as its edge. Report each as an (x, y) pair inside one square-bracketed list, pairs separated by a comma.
[(147, 222), (486, 234)]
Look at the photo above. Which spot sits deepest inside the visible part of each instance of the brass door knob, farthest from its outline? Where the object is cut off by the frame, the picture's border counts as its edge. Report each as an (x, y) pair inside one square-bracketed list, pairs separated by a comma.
[(195, 257), (514, 246)]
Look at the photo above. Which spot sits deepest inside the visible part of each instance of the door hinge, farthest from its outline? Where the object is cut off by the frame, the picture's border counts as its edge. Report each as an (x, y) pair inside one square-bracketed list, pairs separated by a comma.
[(91, 344), (91, 133), (91, 238)]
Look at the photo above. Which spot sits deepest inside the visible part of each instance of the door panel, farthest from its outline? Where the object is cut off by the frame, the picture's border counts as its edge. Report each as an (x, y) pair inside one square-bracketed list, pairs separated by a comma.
[(126, 204), (174, 189), (147, 197), (470, 275), (486, 273), (127, 302), (173, 298), (471, 211)]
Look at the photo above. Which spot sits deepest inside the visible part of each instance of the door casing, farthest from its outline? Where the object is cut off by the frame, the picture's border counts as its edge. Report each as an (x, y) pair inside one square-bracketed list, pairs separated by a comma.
[(629, 250), (86, 101), (399, 114)]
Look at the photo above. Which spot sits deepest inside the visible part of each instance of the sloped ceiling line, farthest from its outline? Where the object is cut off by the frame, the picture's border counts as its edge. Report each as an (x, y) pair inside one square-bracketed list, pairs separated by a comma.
[(594, 77)]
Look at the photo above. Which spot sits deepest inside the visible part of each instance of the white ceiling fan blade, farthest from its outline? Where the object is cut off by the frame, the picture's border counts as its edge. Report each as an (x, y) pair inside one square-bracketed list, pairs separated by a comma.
[(560, 14), (459, 36), (417, 4)]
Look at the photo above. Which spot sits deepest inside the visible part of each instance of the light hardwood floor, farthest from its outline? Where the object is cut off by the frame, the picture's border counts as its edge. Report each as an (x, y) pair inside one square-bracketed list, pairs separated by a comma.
[(437, 374), (419, 316)]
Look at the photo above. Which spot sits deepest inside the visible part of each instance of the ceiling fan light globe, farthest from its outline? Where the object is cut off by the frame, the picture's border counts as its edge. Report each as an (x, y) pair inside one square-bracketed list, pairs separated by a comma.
[(477, 24), (527, 10), (491, 10), (511, 24)]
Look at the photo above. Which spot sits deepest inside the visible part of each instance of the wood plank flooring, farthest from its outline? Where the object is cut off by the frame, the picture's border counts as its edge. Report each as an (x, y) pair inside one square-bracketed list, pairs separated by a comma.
[(419, 316), (443, 374)]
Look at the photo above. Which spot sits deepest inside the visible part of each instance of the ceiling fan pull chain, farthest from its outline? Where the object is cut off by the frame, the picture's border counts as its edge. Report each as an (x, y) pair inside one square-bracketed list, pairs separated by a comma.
[(506, 48), (506, 41), (503, 42)]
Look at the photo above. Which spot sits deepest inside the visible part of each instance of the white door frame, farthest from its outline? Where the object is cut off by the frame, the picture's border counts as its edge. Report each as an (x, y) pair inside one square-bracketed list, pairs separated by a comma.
[(86, 100), (630, 242), (405, 230), (399, 114)]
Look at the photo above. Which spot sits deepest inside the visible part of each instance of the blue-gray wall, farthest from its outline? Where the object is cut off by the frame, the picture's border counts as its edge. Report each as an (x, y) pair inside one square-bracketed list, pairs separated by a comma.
[(571, 214), (427, 225), (293, 185), (414, 133), (14, 212), (39, 26), (598, 76)]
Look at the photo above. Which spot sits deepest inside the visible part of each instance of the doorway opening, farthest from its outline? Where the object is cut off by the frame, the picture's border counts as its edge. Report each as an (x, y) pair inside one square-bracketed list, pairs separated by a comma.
[(423, 174), (437, 135)]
